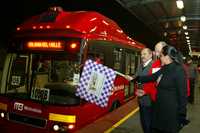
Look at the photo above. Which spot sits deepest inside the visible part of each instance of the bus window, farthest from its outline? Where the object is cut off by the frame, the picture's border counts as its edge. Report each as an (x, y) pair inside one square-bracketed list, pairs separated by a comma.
[(32, 75), (2, 59), (59, 74), (128, 64), (58, 69), (17, 81), (133, 63), (97, 52), (1, 71), (117, 59), (97, 57), (137, 60)]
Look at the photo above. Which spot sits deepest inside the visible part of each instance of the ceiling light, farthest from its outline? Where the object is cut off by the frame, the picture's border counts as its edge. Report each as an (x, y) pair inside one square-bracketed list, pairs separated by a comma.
[(185, 27), (183, 18), (188, 40), (167, 25), (186, 33), (187, 37), (165, 34), (179, 4), (190, 49)]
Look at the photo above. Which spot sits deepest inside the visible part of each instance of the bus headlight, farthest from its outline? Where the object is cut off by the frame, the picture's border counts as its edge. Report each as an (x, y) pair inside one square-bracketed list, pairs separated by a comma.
[(3, 115), (71, 126), (56, 127), (59, 128)]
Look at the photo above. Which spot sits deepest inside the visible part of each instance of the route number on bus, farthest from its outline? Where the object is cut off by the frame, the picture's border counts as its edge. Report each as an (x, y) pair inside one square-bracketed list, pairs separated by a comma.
[(40, 94)]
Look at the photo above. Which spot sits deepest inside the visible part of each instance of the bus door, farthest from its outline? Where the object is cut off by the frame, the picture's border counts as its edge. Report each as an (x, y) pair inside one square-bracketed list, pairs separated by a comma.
[(130, 69), (2, 59), (15, 74), (118, 65)]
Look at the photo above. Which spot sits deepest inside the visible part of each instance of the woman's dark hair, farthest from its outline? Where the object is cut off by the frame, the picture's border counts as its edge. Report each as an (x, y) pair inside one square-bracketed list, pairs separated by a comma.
[(169, 50), (172, 53)]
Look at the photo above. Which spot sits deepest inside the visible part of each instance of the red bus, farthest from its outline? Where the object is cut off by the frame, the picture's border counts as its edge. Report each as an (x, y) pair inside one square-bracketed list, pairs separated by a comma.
[(43, 66)]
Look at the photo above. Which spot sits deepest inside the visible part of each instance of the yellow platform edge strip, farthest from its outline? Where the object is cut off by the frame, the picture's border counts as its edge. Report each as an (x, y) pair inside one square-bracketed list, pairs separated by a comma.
[(122, 120)]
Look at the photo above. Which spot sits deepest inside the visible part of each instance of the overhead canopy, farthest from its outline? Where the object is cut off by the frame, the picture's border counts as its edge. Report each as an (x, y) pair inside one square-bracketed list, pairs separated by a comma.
[(163, 18)]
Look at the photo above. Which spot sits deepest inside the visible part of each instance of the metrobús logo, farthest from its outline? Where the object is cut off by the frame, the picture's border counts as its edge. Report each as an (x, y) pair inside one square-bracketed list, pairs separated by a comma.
[(20, 107)]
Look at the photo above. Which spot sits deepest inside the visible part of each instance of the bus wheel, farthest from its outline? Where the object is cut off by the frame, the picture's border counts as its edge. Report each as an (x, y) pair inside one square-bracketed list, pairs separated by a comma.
[(114, 106)]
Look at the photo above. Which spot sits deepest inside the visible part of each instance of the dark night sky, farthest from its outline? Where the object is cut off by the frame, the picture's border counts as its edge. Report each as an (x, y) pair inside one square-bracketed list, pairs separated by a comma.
[(14, 12)]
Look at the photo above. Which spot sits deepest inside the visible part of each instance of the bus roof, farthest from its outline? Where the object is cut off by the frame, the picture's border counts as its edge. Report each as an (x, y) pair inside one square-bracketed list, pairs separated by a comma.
[(89, 25)]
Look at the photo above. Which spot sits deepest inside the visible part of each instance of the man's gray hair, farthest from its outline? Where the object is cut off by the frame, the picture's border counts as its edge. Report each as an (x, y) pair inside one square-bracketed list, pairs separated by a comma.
[(162, 43)]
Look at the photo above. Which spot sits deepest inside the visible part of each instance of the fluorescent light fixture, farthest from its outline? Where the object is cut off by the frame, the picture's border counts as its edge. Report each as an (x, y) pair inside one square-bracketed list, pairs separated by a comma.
[(186, 33), (183, 18), (179, 4), (187, 37), (167, 25), (185, 27), (165, 34), (188, 40), (190, 49)]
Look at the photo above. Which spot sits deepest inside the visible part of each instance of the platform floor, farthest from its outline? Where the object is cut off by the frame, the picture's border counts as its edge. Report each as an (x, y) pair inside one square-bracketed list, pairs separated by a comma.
[(132, 125), (126, 119)]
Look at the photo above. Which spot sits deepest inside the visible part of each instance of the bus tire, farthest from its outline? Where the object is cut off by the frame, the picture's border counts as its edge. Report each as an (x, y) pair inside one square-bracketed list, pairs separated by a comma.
[(114, 106)]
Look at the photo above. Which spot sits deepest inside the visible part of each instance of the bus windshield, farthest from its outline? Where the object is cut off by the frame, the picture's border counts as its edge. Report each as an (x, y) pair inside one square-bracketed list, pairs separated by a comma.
[(50, 78)]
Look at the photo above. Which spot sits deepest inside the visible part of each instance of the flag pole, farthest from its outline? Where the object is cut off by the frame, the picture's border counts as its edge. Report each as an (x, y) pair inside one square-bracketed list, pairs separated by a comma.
[(125, 76), (121, 74)]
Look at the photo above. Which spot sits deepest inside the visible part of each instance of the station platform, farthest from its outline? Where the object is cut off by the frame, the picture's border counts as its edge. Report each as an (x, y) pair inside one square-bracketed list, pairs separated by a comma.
[(126, 119), (112, 120)]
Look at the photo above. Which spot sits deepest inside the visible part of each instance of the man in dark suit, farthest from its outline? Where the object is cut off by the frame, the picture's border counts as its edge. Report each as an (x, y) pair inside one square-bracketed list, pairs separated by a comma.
[(146, 92)]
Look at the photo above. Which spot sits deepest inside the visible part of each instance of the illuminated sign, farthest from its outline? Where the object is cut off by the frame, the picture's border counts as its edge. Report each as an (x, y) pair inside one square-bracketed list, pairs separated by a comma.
[(55, 45)]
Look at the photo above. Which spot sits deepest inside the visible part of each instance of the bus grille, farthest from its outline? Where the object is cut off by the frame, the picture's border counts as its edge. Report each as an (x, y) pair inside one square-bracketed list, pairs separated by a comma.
[(41, 123)]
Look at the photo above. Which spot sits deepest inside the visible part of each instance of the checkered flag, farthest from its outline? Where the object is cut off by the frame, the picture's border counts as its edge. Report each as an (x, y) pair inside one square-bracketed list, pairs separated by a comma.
[(96, 83)]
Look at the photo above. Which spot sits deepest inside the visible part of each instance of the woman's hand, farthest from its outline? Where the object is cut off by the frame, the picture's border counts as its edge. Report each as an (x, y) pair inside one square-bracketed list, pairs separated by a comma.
[(140, 92), (128, 77)]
